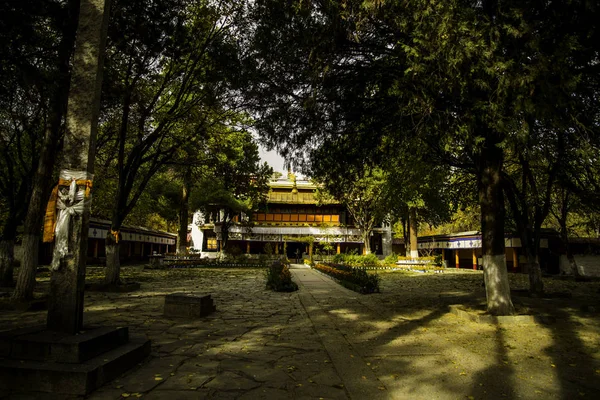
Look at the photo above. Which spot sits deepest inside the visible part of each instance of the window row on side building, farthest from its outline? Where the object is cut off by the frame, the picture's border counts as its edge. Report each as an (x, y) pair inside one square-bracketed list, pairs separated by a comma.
[(136, 244), (463, 250)]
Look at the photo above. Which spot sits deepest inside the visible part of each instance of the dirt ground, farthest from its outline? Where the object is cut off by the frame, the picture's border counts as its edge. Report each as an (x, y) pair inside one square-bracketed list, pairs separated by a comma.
[(406, 334)]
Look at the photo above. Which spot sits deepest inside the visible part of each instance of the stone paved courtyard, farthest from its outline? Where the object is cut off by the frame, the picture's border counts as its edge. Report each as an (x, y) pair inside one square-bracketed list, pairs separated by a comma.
[(325, 341)]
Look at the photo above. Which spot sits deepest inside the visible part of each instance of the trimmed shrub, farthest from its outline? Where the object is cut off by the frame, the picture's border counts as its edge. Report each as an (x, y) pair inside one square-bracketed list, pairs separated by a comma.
[(279, 278), (367, 260), (391, 259), (340, 258), (356, 279)]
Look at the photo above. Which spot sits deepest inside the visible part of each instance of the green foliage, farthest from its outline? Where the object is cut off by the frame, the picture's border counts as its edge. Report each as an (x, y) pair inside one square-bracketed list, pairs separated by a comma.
[(364, 196), (279, 278), (268, 249), (36, 43), (164, 95), (355, 260), (233, 251), (263, 258), (444, 81), (235, 181), (155, 209), (391, 259)]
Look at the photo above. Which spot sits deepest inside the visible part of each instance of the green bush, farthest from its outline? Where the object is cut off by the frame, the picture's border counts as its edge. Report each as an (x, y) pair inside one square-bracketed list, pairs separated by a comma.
[(367, 260), (391, 259), (339, 258), (279, 278), (232, 251)]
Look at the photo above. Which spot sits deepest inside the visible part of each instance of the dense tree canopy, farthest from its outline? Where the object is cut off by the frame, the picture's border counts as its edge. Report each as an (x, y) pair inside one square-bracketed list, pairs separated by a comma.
[(469, 79), (36, 43), (416, 97)]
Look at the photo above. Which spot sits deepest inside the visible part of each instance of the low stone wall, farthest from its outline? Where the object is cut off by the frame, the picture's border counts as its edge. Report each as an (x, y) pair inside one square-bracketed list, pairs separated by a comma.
[(588, 265)]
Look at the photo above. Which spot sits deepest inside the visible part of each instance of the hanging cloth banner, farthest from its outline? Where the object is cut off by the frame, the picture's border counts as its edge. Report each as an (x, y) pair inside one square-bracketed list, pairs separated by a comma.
[(73, 192), (50, 217)]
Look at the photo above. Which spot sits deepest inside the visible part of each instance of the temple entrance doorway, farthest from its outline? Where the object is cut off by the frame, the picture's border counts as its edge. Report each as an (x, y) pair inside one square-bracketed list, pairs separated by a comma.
[(295, 250)]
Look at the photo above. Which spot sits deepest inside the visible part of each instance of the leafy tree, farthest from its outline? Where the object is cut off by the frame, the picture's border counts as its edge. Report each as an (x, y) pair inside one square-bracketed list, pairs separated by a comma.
[(364, 197), (276, 175), (411, 186), (236, 183), (36, 42), (462, 76), (529, 178), (563, 205), (17, 165), (163, 82)]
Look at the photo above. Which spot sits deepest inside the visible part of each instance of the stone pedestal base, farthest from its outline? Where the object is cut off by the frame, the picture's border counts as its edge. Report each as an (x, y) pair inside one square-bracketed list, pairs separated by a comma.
[(38, 360), (188, 305)]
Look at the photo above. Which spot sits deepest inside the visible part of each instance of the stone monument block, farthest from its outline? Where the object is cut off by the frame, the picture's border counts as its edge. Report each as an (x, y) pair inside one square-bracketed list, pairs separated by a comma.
[(188, 305)]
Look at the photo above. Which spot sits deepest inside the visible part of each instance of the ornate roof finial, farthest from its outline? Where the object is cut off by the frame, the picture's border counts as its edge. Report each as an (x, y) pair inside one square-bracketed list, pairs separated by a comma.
[(294, 188)]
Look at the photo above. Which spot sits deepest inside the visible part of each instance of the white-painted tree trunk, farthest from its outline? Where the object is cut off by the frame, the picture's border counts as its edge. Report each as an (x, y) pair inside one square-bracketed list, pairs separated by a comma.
[(496, 285)]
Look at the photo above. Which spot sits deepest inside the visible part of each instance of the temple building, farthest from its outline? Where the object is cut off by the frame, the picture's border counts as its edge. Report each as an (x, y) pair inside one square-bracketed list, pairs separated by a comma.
[(290, 220), (463, 250)]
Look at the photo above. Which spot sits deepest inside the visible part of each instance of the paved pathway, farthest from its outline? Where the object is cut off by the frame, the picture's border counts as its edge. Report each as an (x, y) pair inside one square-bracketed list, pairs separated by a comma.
[(283, 350), (325, 341), (358, 378), (367, 343)]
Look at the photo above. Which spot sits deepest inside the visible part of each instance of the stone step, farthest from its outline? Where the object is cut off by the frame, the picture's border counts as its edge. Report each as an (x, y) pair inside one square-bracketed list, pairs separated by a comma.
[(68, 378), (43, 345)]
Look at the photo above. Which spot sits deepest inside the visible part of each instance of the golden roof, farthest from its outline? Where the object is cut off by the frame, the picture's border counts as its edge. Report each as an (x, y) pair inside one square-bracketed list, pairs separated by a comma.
[(292, 191)]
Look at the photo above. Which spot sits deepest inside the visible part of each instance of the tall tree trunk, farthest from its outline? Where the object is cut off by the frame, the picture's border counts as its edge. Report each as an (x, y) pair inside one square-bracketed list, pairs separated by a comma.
[(183, 216), (412, 221), (367, 241), (224, 231), (28, 270), (530, 246), (405, 233), (42, 181), (491, 200), (113, 262), (570, 257), (7, 252), (67, 282), (35, 211), (536, 284), (7, 256), (564, 236)]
